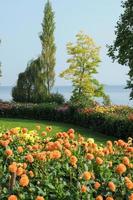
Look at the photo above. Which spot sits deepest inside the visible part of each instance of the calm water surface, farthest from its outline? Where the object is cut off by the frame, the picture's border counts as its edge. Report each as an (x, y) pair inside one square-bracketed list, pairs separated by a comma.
[(118, 94)]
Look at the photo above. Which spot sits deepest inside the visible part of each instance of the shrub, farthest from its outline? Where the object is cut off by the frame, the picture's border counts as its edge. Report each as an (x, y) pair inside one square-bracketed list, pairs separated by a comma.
[(55, 98), (66, 166), (107, 120)]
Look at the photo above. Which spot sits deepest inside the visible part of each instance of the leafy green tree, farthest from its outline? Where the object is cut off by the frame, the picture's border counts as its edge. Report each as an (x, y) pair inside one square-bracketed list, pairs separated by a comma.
[(30, 87), (48, 47), (83, 63), (34, 85), (122, 48)]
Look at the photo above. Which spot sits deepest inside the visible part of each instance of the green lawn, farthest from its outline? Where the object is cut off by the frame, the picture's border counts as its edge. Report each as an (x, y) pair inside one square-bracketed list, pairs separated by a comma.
[(57, 127)]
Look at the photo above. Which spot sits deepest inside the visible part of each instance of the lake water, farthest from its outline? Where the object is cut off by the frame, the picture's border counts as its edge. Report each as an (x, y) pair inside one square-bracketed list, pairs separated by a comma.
[(118, 94)]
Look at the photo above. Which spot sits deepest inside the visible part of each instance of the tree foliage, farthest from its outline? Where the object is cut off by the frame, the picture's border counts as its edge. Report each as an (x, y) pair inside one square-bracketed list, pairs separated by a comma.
[(34, 85), (83, 63), (0, 66), (122, 48), (48, 47), (30, 86)]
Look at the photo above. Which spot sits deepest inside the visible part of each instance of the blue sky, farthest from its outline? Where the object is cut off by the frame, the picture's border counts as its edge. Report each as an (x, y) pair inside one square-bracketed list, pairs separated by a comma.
[(20, 24)]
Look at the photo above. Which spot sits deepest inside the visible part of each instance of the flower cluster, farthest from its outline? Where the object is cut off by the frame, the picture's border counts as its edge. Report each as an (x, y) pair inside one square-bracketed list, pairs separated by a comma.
[(113, 109), (34, 166)]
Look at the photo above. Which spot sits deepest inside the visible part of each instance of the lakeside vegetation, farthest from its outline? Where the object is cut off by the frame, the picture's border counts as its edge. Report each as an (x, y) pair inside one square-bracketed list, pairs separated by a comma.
[(77, 150)]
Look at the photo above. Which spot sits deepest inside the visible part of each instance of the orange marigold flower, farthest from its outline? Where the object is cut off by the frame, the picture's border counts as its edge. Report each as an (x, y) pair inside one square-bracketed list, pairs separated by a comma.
[(64, 134), (99, 161), (35, 147), (129, 184), (14, 131), (57, 145), (90, 156), (97, 185), (12, 197), (68, 152), (55, 154), (20, 149), (120, 169), (5, 136), (49, 128), (121, 143), (130, 149), (20, 171), (24, 165), (73, 160), (30, 158), (60, 141), (50, 146), (116, 143), (71, 130), (31, 173), (109, 143), (71, 136), (24, 130), (83, 188), (94, 145), (40, 198), (4, 143), (67, 144), (109, 198), (99, 197), (13, 168), (106, 151), (127, 179), (24, 181), (126, 161), (9, 152), (87, 175), (41, 155), (130, 197), (111, 186), (59, 135), (43, 133)]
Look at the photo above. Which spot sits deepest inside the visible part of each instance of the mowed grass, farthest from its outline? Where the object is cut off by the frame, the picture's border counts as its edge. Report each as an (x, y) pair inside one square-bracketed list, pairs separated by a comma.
[(56, 127)]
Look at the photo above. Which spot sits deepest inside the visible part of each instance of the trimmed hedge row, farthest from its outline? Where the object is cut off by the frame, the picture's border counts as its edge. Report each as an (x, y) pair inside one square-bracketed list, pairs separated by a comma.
[(120, 127)]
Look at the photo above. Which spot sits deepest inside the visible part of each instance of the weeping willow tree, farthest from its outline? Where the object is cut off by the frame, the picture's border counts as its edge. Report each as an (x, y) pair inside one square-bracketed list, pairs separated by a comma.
[(30, 84), (48, 47)]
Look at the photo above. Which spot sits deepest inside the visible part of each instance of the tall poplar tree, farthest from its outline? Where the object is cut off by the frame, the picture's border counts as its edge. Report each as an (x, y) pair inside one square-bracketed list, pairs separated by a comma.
[(122, 48), (48, 47), (35, 84), (0, 66)]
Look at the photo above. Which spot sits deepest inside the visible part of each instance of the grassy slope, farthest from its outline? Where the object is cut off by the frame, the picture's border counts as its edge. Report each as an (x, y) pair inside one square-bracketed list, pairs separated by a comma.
[(57, 127)]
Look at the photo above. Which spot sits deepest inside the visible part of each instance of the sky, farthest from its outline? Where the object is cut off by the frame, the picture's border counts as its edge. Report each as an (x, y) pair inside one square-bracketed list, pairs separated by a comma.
[(20, 25)]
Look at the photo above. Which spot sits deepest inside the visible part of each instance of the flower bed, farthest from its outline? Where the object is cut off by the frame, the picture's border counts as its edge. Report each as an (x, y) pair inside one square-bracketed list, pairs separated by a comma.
[(34, 166), (110, 120)]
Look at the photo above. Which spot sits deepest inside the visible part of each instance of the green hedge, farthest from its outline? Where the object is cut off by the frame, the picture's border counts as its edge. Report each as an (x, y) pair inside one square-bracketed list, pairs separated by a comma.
[(118, 126)]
